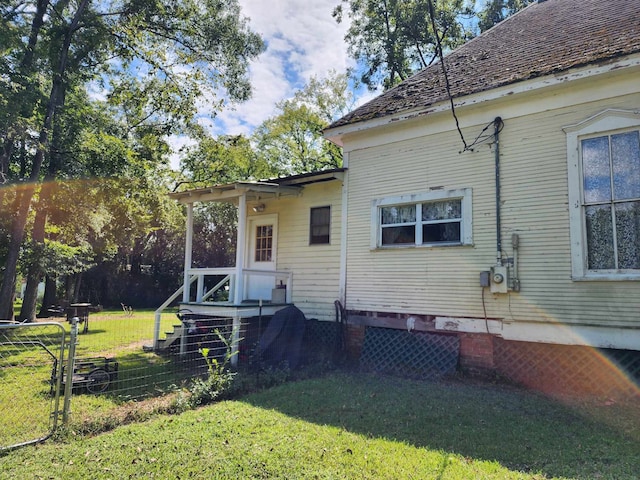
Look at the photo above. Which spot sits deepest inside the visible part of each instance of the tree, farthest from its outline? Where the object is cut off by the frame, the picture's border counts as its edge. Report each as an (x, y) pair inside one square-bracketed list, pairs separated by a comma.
[(156, 58), (292, 142), (495, 11), (392, 39), (225, 159)]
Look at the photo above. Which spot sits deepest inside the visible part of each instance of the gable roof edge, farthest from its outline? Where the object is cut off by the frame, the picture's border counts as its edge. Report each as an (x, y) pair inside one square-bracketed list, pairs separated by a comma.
[(337, 133)]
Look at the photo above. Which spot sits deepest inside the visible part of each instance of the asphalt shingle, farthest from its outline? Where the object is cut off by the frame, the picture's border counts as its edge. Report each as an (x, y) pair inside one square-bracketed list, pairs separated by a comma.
[(545, 38)]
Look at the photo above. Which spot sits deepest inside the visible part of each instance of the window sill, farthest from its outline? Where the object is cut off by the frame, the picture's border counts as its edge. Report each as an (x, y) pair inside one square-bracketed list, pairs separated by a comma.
[(424, 246), (608, 277)]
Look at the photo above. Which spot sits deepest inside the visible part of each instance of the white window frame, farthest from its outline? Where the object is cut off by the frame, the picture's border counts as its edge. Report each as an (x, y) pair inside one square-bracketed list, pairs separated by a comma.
[(607, 122), (466, 227)]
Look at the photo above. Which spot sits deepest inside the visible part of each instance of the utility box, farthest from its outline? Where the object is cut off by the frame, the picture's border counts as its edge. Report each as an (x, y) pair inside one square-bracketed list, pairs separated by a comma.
[(499, 279), (279, 294)]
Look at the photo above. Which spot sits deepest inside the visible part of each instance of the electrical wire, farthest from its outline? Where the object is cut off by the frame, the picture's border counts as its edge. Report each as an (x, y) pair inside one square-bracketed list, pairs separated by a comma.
[(432, 16), (480, 138), (484, 309)]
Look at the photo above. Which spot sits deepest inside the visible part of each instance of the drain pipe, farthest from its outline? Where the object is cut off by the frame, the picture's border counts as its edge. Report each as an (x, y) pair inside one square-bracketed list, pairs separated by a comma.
[(497, 126)]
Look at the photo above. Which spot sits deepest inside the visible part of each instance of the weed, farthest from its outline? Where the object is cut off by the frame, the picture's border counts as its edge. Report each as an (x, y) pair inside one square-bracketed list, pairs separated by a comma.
[(219, 377)]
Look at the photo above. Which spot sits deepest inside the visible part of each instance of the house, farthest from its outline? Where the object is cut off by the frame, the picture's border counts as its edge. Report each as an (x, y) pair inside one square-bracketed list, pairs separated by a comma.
[(510, 222), (523, 239)]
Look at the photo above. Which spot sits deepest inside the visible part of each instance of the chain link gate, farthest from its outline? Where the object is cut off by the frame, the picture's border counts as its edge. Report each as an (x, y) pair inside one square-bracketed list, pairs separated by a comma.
[(30, 356)]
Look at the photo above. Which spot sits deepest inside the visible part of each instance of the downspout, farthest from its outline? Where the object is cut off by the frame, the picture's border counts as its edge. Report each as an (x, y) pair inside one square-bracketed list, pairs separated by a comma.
[(343, 233), (497, 126)]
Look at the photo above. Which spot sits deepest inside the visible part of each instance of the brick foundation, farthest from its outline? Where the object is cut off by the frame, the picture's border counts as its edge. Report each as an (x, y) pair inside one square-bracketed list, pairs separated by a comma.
[(476, 353), (559, 370), (354, 341)]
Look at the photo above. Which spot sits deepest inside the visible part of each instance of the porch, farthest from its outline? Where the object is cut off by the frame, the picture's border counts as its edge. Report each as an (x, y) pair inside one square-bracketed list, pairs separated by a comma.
[(260, 282), (221, 293)]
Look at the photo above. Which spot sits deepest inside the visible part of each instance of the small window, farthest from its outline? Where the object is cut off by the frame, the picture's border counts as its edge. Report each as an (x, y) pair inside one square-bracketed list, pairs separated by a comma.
[(320, 226), (433, 218)]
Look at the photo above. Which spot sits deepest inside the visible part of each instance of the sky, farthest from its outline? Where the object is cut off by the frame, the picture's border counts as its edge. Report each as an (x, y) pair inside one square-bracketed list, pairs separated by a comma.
[(303, 40)]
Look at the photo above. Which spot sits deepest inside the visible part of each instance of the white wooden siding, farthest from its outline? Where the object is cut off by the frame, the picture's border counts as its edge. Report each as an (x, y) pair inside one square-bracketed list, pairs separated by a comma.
[(316, 268), (444, 281)]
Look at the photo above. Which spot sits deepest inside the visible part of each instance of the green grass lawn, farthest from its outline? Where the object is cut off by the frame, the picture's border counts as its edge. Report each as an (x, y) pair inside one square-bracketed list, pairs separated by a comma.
[(25, 372), (350, 425)]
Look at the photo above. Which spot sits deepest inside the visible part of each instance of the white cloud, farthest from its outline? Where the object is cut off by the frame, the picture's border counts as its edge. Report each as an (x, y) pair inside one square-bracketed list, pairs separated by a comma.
[(178, 142), (303, 40)]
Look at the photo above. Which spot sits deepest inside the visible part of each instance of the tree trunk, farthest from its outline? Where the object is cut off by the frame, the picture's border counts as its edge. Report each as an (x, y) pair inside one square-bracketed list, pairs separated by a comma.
[(35, 273), (29, 300), (69, 282), (56, 96), (25, 68), (8, 287), (76, 289), (50, 296)]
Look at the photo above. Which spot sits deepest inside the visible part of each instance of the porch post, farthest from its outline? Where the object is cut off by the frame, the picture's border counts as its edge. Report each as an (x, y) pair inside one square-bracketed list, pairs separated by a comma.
[(240, 249), (188, 249)]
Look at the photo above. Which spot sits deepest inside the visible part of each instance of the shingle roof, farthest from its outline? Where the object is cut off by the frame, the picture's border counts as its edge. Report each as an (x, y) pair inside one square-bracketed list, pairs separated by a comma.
[(544, 38)]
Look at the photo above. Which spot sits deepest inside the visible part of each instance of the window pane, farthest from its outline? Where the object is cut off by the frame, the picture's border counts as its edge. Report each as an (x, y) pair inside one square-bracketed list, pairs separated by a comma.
[(264, 243), (595, 166), (628, 234), (398, 235), (441, 232), (625, 152), (599, 237), (320, 225), (403, 214), (320, 215), (449, 209)]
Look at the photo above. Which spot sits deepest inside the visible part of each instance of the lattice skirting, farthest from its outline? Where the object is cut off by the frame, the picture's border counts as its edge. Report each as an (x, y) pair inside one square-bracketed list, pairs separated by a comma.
[(560, 370), (415, 354), (569, 369)]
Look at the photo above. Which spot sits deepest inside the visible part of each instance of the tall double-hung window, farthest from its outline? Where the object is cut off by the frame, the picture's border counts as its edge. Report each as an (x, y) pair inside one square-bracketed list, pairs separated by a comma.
[(605, 196), (441, 217)]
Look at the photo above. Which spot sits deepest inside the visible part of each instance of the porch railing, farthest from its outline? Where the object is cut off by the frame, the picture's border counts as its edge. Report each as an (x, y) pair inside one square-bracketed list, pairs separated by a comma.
[(228, 274)]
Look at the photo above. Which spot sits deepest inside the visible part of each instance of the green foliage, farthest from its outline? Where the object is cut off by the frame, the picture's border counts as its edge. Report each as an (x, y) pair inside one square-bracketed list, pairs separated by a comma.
[(153, 60), (292, 142), (495, 11), (219, 378), (224, 159), (392, 39), (56, 258), (214, 242)]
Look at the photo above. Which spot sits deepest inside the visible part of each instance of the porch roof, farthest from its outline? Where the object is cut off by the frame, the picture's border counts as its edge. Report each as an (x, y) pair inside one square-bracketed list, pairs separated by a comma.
[(231, 192), (260, 190)]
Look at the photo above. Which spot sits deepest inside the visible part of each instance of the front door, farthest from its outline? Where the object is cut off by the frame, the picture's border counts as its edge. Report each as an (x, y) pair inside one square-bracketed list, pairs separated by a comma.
[(261, 255)]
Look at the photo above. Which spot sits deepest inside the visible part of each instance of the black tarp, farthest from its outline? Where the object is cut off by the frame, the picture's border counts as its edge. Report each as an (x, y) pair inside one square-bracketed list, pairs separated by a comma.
[(281, 342)]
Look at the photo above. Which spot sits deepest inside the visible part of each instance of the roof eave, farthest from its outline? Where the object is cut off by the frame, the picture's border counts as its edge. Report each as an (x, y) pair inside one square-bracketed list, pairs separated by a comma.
[(231, 192), (337, 134)]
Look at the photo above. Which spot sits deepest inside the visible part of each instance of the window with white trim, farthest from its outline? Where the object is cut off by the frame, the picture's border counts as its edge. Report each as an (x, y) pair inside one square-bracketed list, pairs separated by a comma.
[(440, 217), (604, 155)]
